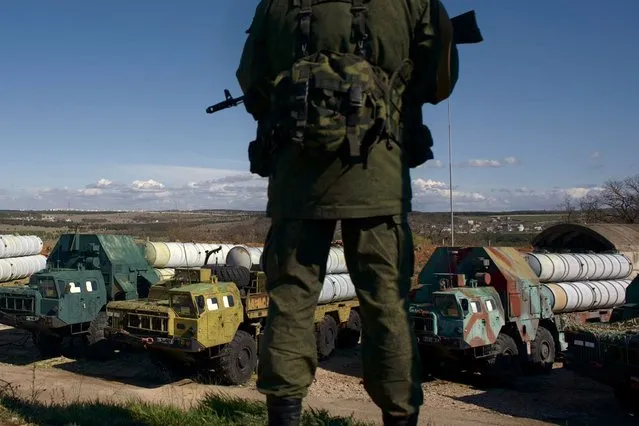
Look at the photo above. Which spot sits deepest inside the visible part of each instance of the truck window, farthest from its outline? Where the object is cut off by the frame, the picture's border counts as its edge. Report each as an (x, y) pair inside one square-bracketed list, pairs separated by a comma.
[(200, 303), (490, 305), (48, 288), (73, 288), (182, 304), (448, 306), (228, 301), (475, 306), (211, 304)]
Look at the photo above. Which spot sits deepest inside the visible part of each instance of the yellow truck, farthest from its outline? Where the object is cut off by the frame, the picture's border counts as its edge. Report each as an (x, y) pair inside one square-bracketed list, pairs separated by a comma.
[(214, 324)]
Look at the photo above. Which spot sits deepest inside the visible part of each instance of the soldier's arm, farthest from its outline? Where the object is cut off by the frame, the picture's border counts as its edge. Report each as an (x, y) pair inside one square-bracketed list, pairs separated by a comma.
[(434, 54), (253, 73)]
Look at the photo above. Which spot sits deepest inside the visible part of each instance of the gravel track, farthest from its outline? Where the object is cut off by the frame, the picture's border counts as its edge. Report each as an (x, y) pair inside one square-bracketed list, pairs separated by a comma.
[(559, 398)]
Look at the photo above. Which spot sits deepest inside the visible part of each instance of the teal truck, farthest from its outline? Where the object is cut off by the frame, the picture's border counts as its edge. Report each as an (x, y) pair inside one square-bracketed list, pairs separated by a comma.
[(68, 299), (609, 352), (499, 311)]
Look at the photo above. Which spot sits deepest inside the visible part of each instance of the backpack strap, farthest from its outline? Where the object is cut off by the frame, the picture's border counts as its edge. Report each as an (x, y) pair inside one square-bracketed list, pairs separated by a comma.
[(359, 34), (304, 17), (359, 37), (299, 97)]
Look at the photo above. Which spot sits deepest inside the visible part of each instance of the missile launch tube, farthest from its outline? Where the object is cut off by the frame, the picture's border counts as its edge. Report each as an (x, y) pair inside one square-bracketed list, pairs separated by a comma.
[(19, 245), (16, 268), (337, 287), (165, 274), (562, 267), (580, 296), (248, 257), (335, 264), (184, 255)]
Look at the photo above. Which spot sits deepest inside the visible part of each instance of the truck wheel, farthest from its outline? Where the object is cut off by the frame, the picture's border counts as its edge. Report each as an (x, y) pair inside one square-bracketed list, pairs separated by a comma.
[(238, 359), (348, 337), (325, 336), (98, 347), (505, 365), (543, 350), (627, 398), (48, 345), (240, 275)]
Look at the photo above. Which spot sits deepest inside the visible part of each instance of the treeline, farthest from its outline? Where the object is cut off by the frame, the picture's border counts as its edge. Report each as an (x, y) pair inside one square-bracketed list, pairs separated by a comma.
[(616, 202)]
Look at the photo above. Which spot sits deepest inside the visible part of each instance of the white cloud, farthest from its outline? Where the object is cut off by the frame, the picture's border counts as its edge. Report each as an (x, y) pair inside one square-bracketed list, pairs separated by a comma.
[(433, 164), (482, 163), (420, 184), (147, 184), (512, 161), (245, 191), (171, 175), (595, 155)]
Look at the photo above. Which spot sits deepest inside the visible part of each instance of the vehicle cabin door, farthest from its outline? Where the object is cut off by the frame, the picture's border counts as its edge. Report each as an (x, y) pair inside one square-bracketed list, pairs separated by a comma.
[(95, 298), (477, 326), (78, 303), (221, 324)]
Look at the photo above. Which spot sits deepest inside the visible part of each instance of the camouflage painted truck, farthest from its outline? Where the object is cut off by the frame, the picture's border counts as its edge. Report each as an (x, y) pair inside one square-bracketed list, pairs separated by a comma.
[(69, 297), (496, 310), (609, 352), (213, 322)]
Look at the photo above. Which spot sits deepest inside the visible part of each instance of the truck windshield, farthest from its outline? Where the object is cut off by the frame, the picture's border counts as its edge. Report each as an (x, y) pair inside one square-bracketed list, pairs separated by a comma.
[(447, 305), (182, 304), (47, 288)]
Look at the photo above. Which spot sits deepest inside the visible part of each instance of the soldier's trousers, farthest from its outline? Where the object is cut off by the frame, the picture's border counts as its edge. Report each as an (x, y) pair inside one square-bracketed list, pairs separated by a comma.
[(379, 256)]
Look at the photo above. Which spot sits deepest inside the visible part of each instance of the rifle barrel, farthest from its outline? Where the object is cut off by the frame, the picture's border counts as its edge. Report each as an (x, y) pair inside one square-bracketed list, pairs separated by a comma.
[(229, 102)]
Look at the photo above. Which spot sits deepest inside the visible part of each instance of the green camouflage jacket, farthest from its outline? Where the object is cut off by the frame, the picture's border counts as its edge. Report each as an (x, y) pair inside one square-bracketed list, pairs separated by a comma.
[(312, 188)]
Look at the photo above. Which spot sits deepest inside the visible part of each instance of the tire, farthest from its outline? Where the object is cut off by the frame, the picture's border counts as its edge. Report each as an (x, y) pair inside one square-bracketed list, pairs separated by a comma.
[(326, 337), (48, 345), (240, 275), (237, 360), (627, 398), (506, 364), (98, 347), (543, 350), (348, 337)]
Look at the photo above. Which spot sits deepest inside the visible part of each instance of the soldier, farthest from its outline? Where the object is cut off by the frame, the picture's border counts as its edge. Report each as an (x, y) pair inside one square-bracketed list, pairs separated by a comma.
[(328, 83)]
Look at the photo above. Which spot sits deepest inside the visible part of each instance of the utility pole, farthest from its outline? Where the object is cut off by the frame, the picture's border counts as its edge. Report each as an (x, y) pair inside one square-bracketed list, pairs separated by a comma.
[(450, 177)]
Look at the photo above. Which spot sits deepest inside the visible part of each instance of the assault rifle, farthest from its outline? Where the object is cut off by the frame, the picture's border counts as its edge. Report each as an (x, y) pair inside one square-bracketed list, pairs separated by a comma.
[(465, 31), (228, 102)]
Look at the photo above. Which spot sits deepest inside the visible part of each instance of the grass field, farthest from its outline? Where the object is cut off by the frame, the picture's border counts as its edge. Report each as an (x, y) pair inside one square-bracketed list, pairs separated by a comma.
[(213, 410)]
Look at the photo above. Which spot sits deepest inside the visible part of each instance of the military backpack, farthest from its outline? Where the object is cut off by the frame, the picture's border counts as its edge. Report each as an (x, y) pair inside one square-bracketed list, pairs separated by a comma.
[(328, 98)]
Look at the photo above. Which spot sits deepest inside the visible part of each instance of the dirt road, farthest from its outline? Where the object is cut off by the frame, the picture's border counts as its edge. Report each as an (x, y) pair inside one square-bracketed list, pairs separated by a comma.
[(560, 398)]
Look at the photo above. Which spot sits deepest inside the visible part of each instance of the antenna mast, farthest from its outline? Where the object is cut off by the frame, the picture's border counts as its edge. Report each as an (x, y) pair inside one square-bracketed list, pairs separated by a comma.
[(450, 177)]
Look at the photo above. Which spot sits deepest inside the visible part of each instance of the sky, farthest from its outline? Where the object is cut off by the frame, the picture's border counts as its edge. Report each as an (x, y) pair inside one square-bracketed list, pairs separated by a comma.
[(102, 106)]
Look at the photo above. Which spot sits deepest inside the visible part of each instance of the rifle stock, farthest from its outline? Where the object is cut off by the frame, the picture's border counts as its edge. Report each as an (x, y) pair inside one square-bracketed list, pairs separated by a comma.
[(465, 28)]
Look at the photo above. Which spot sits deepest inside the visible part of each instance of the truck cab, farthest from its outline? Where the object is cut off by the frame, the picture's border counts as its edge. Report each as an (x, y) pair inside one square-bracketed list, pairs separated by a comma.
[(205, 313), (68, 297), (55, 298), (201, 324), (458, 320), (199, 312)]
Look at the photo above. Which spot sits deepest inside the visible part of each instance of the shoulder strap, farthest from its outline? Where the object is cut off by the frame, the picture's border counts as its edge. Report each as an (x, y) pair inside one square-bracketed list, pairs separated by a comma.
[(359, 34), (304, 19)]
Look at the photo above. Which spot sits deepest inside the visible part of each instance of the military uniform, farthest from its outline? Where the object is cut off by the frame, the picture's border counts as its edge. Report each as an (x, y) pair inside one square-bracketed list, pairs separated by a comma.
[(308, 193)]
